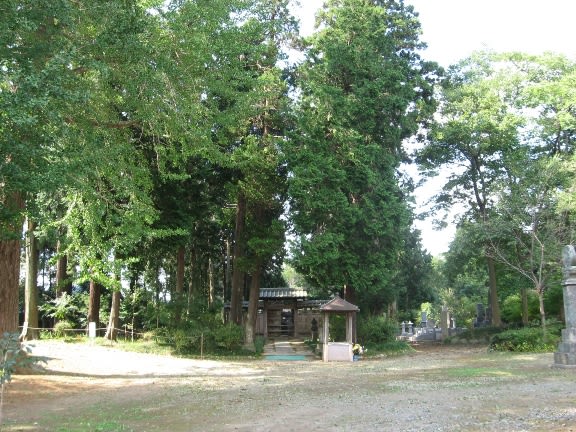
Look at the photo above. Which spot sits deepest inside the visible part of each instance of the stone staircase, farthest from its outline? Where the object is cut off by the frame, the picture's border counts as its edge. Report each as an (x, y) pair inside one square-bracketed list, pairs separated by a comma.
[(287, 349)]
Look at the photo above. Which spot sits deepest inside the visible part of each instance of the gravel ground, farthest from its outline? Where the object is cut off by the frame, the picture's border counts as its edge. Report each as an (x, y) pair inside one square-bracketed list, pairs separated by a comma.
[(437, 388)]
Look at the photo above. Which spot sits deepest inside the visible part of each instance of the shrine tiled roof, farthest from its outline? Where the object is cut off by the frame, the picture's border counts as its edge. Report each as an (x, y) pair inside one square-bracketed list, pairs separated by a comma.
[(275, 293), (338, 304)]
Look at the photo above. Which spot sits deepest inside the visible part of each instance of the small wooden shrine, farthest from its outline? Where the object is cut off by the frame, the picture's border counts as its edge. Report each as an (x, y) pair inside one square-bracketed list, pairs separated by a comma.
[(288, 312), (333, 350), (284, 312)]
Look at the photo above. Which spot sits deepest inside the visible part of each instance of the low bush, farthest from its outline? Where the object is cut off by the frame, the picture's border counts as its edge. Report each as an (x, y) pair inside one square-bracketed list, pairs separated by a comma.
[(390, 348), (375, 330), (529, 339), (229, 337), (481, 334), (62, 328), (184, 341), (259, 343)]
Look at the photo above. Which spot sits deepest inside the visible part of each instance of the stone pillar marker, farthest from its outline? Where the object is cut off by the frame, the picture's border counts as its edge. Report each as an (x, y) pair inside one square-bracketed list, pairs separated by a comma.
[(445, 322), (91, 330), (565, 357)]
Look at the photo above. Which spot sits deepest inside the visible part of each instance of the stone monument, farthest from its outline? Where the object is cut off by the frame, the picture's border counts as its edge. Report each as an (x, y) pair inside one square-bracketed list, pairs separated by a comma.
[(445, 322), (565, 357)]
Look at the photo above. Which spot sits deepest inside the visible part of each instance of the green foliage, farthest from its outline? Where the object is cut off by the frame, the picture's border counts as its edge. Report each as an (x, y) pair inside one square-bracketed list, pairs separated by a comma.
[(190, 339), (337, 327), (505, 123), (205, 334), (554, 300), (183, 341), (62, 327), (511, 308), (67, 307), (481, 334), (229, 337), (462, 308), (528, 339), (415, 278), (12, 354), (312, 345), (359, 99), (376, 330), (259, 342)]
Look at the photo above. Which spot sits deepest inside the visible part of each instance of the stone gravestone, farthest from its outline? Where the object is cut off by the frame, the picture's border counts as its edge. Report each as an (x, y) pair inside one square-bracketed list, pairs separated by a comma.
[(480, 315), (565, 357)]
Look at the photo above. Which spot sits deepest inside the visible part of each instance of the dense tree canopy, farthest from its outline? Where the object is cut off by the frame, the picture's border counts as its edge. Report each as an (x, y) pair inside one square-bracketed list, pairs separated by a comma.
[(160, 151), (503, 131)]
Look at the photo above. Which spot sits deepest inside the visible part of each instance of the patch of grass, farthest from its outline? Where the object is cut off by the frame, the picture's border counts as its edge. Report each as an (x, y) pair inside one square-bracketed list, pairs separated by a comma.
[(99, 417), (104, 426), (140, 346), (390, 348), (471, 372)]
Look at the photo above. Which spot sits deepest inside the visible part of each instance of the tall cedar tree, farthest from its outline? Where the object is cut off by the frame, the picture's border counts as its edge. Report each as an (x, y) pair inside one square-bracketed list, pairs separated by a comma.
[(249, 92), (364, 89), (264, 178)]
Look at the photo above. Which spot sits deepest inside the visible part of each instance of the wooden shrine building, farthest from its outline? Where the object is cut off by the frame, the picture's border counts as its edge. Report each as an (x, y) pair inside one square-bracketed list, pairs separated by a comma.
[(284, 312)]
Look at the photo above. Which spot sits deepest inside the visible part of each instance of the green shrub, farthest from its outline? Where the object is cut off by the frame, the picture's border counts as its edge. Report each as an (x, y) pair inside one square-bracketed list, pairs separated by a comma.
[(390, 348), (477, 334), (62, 328), (182, 341), (229, 337), (529, 339), (67, 307), (376, 330), (259, 343)]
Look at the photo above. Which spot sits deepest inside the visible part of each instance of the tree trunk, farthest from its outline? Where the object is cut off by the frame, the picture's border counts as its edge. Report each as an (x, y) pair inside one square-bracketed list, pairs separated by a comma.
[(10, 267), (63, 282), (211, 283), (237, 273), (525, 312), (179, 285), (114, 321), (193, 279), (392, 310), (227, 273), (94, 304), (30, 328), (540, 290), (250, 326), (494, 304)]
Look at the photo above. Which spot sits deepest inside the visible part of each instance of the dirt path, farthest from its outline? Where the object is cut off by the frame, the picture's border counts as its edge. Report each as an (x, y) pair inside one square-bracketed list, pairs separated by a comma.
[(94, 388)]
